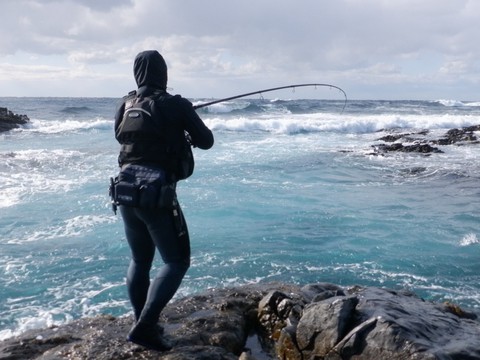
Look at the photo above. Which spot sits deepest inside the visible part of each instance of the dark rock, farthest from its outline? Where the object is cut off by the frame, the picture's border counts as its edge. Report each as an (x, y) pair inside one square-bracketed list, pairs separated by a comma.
[(464, 135), (398, 147), (391, 138), (372, 323), (317, 321), (395, 136), (9, 120), (419, 144), (324, 324), (321, 291)]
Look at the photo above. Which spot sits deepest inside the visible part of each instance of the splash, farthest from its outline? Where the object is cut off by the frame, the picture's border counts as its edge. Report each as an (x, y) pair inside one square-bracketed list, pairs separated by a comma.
[(469, 239), (447, 102), (67, 125)]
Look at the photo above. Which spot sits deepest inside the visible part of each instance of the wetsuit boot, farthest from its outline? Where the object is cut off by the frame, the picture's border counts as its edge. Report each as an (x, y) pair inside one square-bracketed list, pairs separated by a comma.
[(147, 335)]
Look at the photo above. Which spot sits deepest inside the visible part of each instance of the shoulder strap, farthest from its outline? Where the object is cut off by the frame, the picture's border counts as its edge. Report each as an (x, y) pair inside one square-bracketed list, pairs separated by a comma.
[(130, 99)]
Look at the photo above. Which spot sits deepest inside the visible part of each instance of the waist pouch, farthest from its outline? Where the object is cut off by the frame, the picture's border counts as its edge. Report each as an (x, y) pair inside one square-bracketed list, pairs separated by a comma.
[(142, 186)]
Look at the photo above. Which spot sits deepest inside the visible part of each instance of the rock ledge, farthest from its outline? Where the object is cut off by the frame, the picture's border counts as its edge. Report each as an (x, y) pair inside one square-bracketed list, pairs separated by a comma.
[(275, 320)]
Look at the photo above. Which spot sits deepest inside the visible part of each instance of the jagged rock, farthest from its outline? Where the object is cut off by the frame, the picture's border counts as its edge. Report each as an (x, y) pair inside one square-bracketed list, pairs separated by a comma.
[(406, 136), (324, 324), (317, 321), (372, 323), (419, 144), (321, 291), (464, 135), (9, 120), (418, 148)]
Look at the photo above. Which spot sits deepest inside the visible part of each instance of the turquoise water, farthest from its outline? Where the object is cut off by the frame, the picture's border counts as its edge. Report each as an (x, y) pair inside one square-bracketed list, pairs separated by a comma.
[(290, 192)]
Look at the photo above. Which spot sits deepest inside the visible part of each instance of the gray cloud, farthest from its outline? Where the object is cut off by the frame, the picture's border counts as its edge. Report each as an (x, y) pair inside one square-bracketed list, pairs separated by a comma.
[(408, 44)]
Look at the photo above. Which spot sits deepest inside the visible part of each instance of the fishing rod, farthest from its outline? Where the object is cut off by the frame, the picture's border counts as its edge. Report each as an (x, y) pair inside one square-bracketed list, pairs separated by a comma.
[(272, 89)]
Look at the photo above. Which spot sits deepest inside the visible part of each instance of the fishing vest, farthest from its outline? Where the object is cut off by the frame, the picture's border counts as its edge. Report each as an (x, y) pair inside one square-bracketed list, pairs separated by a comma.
[(150, 139)]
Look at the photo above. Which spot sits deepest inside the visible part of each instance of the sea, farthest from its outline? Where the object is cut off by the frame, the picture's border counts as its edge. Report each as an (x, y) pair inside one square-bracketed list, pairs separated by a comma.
[(292, 191)]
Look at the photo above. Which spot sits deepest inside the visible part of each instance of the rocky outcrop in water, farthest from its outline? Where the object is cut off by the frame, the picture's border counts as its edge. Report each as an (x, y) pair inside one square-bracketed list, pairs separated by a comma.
[(274, 321), (9, 120), (464, 135), (418, 142)]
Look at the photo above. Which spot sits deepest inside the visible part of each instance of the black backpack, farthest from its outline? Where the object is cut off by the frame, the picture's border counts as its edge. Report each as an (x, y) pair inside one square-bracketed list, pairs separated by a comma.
[(143, 136)]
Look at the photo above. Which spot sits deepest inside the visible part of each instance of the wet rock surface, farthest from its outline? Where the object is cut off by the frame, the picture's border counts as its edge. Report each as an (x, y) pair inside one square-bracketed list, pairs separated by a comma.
[(373, 323), (273, 321), (418, 142), (9, 120)]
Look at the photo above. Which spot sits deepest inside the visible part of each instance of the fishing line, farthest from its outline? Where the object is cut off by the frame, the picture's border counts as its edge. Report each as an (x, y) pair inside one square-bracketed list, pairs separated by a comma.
[(273, 89)]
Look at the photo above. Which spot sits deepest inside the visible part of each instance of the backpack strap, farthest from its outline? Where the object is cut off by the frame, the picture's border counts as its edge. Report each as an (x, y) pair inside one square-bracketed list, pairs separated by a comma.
[(130, 99)]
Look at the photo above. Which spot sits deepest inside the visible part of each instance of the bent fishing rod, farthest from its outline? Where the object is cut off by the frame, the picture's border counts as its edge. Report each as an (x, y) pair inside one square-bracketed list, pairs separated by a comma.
[(272, 89)]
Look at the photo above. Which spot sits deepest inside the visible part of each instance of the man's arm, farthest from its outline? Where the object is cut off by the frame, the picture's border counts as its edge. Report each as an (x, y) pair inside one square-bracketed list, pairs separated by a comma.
[(201, 135)]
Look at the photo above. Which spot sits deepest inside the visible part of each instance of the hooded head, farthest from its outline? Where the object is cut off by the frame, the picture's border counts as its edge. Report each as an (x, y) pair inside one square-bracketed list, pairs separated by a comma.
[(150, 69)]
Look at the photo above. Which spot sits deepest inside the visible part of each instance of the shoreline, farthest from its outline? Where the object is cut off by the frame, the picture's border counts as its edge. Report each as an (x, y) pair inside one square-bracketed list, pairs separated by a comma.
[(273, 320)]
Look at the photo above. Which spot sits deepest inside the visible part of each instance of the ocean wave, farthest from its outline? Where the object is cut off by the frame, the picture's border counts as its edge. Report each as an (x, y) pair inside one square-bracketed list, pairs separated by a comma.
[(273, 107), (474, 103), (457, 103), (75, 109), (223, 107), (292, 124), (449, 103), (69, 125), (246, 108)]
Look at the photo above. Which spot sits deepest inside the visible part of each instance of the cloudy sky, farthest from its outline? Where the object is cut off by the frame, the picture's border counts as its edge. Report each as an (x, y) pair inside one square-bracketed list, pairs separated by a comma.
[(373, 49)]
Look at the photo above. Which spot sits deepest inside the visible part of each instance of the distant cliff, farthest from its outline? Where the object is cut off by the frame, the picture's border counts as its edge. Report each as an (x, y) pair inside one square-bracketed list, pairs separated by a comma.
[(273, 321), (9, 120)]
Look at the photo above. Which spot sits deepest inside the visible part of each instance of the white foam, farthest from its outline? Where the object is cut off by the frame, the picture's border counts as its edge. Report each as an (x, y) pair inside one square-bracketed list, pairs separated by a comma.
[(20, 187), (80, 300), (450, 103), (29, 172), (72, 227), (224, 107), (9, 197), (473, 104), (356, 124), (43, 319), (469, 239), (69, 125), (44, 155)]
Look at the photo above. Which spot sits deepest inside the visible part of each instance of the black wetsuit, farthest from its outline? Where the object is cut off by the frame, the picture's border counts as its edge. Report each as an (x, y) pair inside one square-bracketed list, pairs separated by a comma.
[(147, 230)]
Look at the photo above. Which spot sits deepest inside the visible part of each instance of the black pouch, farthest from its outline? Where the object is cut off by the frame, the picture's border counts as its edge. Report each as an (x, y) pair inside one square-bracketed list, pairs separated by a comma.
[(156, 196), (167, 197), (145, 187), (126, 194), (148, 196)]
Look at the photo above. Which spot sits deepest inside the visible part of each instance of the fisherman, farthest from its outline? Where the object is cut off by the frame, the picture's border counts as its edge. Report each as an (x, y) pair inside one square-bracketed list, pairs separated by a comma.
[(150, 125)]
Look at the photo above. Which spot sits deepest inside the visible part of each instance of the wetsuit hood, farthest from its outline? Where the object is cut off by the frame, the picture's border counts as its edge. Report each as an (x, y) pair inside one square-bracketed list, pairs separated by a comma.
[(150, 70)]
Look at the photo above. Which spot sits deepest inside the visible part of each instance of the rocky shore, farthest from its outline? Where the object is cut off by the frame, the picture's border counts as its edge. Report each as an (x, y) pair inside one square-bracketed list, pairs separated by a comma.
[(273, 321), (9, 120)]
